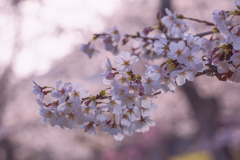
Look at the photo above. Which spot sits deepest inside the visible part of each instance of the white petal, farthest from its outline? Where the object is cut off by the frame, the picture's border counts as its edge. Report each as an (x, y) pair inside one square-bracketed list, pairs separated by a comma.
[(59, 84), (118, 60), (180, 80), (125, 55), (133, 60), (150, 122), (173, 47), (118, 137)]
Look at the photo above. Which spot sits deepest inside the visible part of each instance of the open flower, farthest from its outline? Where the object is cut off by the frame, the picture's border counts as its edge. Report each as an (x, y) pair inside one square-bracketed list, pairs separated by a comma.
[(115, 33), (61, 90), (37, 90), (48, 115), (182, 75), (224, 67), (142, 125), (193, 41), (89, 49), (78, 93), (160, 46), (236, 59), (169, 19), (107, 66), (177, 50), (125, 61)]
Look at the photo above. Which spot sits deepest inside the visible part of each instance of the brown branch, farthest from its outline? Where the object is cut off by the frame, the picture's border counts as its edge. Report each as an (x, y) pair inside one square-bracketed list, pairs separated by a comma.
[(199, 35), (138, 36), (200, 21), (154, 39), (207, 71)]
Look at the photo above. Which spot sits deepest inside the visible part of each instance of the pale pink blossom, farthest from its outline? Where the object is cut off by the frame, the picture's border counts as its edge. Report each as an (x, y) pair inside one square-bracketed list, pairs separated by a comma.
[(78, 93), (115, 107), (142, 125), (147, 107), (167, 84), (107, 66), (125, 62), (71, 120), (169, 19), (116, 33), (108, 45), (111, 128), (160, 46), (235, 76), (178, 28), (101, 114), (89, 49), (219, 16), (89, 127), (193, 41), (182, 75), (151, 82), (62, 90), (235, 58), (177, 50), (224, 67), (37, 90), (48, 115)]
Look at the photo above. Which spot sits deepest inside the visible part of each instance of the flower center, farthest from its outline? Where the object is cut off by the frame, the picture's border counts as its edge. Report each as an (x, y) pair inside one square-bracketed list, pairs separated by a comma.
[(126, 63)]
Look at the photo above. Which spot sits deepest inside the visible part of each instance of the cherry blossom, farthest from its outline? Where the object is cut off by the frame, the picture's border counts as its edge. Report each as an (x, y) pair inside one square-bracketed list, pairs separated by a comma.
[(125, 62), (160, 46), (107, 66), (169, 19), (177, 50), (236, 59), (89, 49), (116, 33), (126, 105), (142, 125), (48, 115), (77, 93), (37, 90), (223, 67), (62, 90), (182, 75)]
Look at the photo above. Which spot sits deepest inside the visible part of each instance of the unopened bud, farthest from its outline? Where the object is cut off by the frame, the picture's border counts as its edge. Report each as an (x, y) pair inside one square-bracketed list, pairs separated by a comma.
[(215, 30), (236, 12), (180, 16)]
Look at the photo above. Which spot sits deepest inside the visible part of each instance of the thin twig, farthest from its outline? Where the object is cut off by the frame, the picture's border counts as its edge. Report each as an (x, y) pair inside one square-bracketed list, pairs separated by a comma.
[(210, 70), (154, 39), (199, 35), (200, 21)]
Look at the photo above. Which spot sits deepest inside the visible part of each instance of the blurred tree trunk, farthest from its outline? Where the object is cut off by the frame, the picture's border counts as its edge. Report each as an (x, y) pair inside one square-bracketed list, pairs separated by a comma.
[(165, 4), (206, 111)]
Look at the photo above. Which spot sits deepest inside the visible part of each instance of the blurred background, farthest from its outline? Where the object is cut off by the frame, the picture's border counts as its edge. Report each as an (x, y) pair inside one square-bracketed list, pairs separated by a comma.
[(40, 41)]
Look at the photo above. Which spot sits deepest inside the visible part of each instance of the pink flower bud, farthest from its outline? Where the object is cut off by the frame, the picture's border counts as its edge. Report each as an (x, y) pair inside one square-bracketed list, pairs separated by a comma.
[(215, 60), (213, 51), (110, 76), (233, 51)]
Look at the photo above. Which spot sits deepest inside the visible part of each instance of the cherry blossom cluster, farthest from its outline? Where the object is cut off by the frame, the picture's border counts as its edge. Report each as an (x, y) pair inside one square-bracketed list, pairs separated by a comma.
[(110, 42), (126, 106), (127, 110)]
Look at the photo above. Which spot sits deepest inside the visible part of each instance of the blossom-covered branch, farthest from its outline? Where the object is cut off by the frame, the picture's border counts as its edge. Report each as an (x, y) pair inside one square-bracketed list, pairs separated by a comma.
[(126, 105)]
